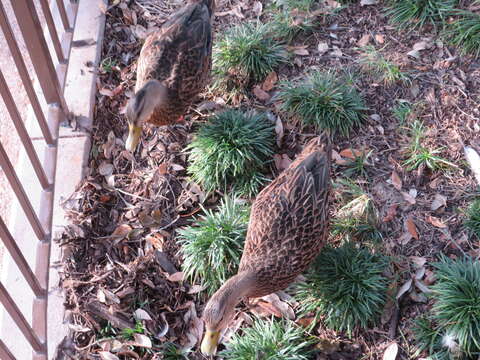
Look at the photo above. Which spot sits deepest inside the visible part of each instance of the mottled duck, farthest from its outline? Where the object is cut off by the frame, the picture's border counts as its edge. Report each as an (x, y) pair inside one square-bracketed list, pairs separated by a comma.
[(288, 227), (172, 69)]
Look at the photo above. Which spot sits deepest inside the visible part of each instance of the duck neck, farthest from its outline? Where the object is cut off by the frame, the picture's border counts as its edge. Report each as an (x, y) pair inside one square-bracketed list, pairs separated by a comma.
[(237, 287)]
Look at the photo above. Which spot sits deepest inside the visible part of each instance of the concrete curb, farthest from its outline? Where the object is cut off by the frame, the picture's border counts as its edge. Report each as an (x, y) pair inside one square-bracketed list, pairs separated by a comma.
[(72, 158), (74, 148)]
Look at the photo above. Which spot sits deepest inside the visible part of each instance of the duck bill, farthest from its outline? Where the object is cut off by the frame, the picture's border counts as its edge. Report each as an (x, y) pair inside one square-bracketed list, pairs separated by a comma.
[(210, 342), (134, 133)]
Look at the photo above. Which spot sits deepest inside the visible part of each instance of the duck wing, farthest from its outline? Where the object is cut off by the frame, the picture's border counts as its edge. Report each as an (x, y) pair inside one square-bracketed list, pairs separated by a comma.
[(179, 54), (289, 221)]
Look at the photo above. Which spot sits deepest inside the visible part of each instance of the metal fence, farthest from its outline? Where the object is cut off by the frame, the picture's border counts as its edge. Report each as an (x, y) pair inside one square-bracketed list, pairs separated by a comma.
[(49, 56)]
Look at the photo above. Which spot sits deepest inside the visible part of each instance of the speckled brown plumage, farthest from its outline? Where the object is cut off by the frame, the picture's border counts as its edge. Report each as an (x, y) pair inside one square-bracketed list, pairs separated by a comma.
[(179, 55), (289, 221)]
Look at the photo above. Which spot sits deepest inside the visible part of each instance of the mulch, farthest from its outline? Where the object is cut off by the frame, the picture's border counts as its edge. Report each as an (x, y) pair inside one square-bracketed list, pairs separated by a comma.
[(121, 250)]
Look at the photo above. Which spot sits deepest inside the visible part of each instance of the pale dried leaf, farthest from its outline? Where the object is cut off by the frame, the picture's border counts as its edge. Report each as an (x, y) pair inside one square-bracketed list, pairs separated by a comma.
[(301, 52), (106, 92), (368, 2), (421, 286), (279, 131), (237, 11), (379, 38), (195, 289), (322, 48), (408, 198), (436, 222), (79, 328), (391, 352), (176, 167), (420, 273), (364, 40), (257, 8), (404, 288), (405, 238), (109, 145), (176, 277), (338, 159), (142, 341), (105, 169), (396, 181), (438, 202), (141, 314), (418, 261)]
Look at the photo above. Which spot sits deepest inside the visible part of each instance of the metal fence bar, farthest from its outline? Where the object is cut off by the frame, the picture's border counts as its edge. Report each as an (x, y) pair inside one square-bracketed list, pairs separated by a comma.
[(63, 15), (20, 260), (22, 132), (30, 27), (52, 30), (20, 193), (20, 320), (5, 354), (22, 70)]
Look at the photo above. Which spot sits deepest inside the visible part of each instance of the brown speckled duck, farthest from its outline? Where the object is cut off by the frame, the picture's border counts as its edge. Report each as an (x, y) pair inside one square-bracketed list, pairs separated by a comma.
[(288, 227), (172, 69)]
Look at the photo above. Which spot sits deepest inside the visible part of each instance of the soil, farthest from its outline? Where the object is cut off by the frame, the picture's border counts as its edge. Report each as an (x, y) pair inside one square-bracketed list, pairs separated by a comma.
[(122, 239)]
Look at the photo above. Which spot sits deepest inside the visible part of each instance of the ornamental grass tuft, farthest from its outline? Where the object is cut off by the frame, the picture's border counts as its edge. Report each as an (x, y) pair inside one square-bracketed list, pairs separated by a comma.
[(246, 54), (452, 329), (231, 151), (213, 245), (345, 287), (269, 339), (325, 101)]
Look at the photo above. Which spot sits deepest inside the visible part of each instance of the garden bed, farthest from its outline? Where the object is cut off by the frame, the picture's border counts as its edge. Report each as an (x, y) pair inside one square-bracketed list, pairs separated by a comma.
[(123, 242)]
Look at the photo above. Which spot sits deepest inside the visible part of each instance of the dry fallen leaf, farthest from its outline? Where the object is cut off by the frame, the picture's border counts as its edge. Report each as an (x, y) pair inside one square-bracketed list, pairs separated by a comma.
[(421, 286), (436, 222), (257, 8), (391, 352), (391, 213), (338, 159), (379, 38), (142, 341), (408, 198), (141, 314), (418, 261), (270, 81), (322, 48), (279, 131), (260, 94), (301, 52), (105, 169), (396, 181), (404, 288), (176, 277), (412, 228), (364, 40), (368, 2), (351, 153)]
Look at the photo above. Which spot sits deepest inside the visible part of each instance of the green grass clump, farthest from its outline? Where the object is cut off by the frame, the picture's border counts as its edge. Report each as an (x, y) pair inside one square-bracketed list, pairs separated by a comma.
[(232, 150), (419, 155), (346, 287), (402, 112), (302, 5), (416, 13), (453, 326), (464, 32), (170, 351), (269, 339), (473, 218), (357, 216), (286, 26), (213, 246), (246, 54), (325, 101), (382, 69)]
